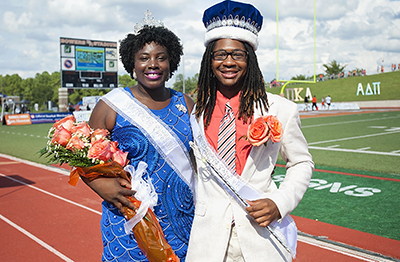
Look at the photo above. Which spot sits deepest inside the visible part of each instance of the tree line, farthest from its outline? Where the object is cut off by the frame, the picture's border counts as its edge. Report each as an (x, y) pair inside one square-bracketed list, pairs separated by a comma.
[(44, 86)]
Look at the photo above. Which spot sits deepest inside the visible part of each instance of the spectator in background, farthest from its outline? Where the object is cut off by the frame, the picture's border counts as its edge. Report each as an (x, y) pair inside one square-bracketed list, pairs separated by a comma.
[(382, 69), (306, 103), (328, 101), (349, 74), (321, 77), (322, 103), (314, 103)]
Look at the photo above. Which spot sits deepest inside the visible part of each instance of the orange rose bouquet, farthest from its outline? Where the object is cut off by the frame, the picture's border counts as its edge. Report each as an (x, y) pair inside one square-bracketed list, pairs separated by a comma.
[(92, 155), (264, 128)]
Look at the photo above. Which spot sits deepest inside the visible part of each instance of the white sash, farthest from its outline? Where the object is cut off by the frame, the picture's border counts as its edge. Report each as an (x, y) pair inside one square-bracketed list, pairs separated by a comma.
[(284, 231), (157, 132)]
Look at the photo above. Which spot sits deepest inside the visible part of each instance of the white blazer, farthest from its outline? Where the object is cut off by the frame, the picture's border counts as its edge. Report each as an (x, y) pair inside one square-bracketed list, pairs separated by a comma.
[(215, 208)]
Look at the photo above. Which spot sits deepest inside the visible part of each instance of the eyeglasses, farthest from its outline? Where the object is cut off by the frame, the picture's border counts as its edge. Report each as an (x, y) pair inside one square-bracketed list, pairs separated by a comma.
[(221, 55)]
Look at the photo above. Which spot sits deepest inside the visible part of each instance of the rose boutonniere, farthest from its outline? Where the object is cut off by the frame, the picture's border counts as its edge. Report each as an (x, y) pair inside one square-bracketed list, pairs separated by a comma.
[(262, 129)]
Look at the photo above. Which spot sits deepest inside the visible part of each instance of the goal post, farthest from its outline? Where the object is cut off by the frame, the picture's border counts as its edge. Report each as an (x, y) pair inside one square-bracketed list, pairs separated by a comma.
[(286, 82)]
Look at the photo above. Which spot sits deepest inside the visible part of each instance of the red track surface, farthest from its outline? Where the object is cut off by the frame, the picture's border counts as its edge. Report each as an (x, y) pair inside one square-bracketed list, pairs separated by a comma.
[(38, 222)]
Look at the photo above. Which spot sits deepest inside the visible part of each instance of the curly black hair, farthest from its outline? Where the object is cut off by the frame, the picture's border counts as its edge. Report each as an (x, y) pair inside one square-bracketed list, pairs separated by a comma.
[(132, 43), (253, 89)]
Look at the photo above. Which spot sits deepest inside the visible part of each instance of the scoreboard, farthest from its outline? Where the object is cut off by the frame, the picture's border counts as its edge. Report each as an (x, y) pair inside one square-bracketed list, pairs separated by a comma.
[(88, 63)]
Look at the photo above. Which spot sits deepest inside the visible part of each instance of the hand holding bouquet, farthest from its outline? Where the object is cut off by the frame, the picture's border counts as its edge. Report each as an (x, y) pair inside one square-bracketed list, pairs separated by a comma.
[(93, 155)]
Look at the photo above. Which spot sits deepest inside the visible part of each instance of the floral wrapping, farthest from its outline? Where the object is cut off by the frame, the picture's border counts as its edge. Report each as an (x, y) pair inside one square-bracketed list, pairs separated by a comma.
[(147, 232)]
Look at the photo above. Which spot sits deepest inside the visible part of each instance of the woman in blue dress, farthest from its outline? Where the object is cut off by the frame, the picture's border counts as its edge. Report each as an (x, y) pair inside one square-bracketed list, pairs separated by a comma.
[(150, 56)]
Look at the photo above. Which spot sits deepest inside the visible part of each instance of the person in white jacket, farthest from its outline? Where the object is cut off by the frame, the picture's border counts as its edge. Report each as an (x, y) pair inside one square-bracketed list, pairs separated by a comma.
[(231, 86)]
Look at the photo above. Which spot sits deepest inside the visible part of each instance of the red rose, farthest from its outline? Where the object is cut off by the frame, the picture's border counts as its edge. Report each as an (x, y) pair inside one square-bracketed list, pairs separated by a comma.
[(264, 128), (100, 150), (75, 142), (114, 146), (61, 136), (120, 157), (257, 133), (275, 128), (99, 134), (81, 128), (67, 122)]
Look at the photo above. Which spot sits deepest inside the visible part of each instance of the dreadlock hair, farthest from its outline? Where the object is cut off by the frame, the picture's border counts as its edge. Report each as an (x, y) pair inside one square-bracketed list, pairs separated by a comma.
[(132, 43), (253, 89)]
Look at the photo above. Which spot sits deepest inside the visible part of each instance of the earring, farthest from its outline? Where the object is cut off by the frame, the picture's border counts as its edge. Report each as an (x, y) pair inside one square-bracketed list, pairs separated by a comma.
[(134, 76)]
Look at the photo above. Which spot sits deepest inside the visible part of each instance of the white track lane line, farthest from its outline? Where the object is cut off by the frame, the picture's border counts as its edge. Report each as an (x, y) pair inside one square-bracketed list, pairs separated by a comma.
[(341, 250), (37, 240), (53, 195)]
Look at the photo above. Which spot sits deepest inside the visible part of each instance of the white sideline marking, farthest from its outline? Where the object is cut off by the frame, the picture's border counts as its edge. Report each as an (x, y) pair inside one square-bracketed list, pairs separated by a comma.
[(354, 151), (37, 240), (354, 137), (51, 194), (363, 149), (354, 121)]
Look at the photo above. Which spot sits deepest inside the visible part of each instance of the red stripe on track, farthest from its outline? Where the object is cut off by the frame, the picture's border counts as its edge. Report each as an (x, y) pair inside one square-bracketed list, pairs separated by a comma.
[(70, 229), (355, 238)]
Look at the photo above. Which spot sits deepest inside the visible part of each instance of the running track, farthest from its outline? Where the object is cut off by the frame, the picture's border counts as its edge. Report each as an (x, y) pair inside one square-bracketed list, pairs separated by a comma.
[(43, 218)]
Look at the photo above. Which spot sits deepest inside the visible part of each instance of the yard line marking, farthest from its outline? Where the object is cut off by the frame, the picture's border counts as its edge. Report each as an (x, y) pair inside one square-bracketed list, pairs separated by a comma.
[(353, 121), (354, 151), (334, 146), (339, 249), (381, 127), (363, 149), (37, 240), (354, 137), (351, 174), (397, 151), (51, 194)]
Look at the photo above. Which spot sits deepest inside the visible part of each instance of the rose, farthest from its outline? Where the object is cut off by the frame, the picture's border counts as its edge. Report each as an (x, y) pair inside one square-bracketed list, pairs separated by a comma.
[(67, 122), (75, 142), (114, 146), (81, 128), (61, 136), (101, 150), (275, 128), (120, 157), (264, 128), (99, 134), (257, 133)]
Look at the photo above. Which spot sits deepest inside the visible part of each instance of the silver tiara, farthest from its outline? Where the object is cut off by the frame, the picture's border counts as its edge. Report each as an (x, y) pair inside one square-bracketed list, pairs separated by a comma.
[(148, 20), (252, 26)]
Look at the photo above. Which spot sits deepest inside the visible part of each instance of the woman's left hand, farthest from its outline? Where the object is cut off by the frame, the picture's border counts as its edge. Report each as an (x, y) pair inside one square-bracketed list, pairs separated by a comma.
[(264, 211)]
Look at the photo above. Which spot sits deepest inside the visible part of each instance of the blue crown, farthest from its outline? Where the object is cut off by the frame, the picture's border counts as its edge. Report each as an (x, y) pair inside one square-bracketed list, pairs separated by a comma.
[(233, 14)]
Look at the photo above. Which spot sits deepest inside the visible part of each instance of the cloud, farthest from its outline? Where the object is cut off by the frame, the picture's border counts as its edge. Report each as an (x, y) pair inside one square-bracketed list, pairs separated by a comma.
[(355, 32)]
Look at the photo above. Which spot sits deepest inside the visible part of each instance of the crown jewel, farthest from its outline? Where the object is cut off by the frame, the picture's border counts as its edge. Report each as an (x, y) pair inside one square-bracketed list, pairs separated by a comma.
[(148, 20)]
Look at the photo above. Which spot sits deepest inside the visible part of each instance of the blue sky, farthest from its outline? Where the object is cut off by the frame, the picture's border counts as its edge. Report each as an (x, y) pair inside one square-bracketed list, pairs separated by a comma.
[(359, 34)]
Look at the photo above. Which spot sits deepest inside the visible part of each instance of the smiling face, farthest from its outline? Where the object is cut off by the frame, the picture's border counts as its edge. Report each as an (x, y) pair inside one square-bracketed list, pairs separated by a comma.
[(229, 72), (152, 66)]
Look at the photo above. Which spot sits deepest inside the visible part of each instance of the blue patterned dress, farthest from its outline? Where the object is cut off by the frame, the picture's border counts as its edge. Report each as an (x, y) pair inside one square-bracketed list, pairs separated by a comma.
[(175, 206)]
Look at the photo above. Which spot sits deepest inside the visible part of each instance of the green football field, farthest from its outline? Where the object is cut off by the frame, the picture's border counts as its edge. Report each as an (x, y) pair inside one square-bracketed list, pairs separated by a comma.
[(356, 183)]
